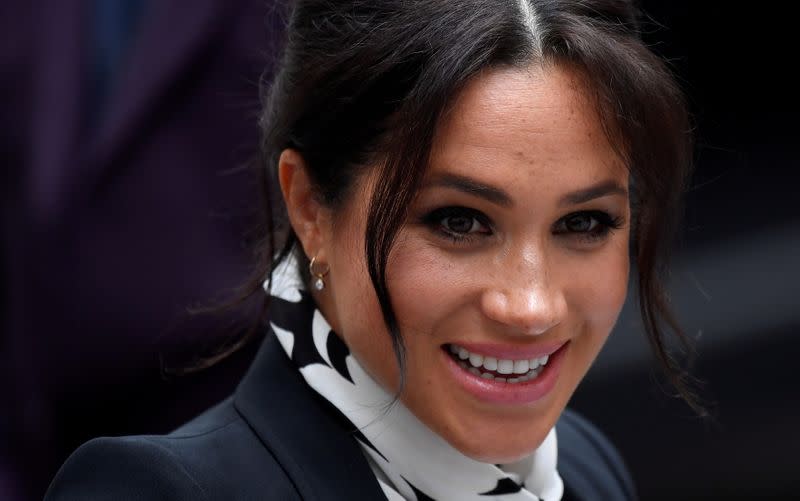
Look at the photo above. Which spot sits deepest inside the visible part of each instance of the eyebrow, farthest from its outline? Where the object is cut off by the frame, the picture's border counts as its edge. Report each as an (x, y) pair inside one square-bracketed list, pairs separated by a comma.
[(500, 197), (468, 185), (601, 189)]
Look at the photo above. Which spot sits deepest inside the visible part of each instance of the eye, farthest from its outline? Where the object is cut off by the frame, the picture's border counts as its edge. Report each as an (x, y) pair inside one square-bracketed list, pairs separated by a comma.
[(581, 223), (589, 225), (458, 223), (461, 224)]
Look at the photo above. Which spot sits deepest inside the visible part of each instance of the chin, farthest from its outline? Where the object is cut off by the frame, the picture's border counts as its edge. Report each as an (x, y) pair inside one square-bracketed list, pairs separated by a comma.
[(498, 455), (499, 448)]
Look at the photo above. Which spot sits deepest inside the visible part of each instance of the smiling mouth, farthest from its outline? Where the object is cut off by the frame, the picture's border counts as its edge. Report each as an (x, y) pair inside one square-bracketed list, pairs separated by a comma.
[(497, 369)]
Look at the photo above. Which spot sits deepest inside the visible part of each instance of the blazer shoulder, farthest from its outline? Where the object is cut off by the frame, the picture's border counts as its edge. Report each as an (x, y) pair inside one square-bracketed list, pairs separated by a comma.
[(124, 468), (589, 464), (214, 456)]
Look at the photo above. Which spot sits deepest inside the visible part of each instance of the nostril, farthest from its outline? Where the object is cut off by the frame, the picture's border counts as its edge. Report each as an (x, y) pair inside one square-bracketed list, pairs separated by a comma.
[(494, 305)]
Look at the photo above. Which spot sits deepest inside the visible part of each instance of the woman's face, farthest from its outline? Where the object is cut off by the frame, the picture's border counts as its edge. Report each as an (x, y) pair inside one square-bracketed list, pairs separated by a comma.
[(515, 251)]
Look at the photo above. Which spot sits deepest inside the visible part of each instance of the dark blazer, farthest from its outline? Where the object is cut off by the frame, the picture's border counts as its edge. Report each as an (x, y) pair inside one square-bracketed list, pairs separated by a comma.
[(275, 438)]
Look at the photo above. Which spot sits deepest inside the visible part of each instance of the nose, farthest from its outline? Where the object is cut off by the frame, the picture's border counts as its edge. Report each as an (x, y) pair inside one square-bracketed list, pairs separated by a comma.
[(526, 301)]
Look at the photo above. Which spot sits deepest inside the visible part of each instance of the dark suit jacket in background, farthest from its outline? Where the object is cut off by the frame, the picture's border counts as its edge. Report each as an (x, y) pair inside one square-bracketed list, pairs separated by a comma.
[(108, 233), (276, 439)]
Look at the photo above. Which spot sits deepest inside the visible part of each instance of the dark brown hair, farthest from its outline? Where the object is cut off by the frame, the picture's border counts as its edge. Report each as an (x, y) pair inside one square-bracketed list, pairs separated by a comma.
[(365, 82)]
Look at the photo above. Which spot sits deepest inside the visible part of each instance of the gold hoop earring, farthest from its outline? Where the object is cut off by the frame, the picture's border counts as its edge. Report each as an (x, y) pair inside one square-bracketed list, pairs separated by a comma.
[(319, 283)]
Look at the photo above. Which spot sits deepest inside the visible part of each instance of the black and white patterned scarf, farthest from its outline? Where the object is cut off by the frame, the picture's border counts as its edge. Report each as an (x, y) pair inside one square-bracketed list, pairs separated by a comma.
[(410, 461)]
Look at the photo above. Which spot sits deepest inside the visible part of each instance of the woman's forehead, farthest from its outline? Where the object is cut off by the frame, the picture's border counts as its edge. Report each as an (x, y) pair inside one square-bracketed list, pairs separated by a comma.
[(520, 101), (517, 125)]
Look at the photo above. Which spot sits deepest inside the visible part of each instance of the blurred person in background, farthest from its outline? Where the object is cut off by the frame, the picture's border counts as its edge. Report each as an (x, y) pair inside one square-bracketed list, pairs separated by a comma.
[(124, 128)]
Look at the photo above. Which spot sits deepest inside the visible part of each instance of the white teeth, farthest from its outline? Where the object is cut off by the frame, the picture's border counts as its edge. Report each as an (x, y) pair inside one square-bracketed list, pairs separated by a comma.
[(475, 359), (522, 370), (505, 366)]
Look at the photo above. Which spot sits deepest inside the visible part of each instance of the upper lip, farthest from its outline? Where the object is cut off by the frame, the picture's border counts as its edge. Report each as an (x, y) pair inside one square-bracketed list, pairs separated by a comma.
[(513, 352)]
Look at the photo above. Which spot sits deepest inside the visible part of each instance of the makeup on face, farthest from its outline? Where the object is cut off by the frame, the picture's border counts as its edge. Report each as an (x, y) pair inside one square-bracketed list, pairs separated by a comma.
[(510, 272)]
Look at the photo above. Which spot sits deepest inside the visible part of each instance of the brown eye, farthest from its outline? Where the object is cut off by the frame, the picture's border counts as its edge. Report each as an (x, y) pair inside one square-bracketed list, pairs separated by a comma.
[(458, 223), (461, 224), (580, 223), (587, 225)]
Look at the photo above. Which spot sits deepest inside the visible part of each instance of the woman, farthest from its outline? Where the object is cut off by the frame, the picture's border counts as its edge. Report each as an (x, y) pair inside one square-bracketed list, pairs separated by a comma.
[(464, 182)]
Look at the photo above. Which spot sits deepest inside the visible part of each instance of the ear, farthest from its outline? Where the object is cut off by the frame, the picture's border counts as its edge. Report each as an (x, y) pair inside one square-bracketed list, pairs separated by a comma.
[(306, 214)]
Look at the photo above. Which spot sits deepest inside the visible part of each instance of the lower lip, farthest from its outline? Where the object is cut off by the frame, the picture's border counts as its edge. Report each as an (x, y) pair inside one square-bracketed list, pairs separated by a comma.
[(497, 392)]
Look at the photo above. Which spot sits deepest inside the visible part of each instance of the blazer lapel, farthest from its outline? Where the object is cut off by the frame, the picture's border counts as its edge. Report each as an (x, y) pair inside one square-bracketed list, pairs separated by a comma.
[(302, 431), (172, 35)]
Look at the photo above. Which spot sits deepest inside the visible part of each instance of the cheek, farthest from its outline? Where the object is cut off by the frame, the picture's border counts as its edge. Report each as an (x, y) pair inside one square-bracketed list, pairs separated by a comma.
[(425, 290), (356, 312), (601, 288), (423, 286)]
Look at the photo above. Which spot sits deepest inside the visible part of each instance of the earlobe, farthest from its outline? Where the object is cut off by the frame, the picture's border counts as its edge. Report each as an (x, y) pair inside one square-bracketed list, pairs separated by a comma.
[(302, 206)]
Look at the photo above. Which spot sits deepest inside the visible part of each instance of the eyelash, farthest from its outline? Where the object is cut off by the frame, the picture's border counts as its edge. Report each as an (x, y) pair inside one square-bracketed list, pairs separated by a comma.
[(604, 223), (435, 219)]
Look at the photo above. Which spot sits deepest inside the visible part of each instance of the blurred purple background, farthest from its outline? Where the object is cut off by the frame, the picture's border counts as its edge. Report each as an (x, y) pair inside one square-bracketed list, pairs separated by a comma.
[(126, 130)]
